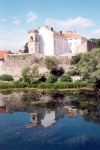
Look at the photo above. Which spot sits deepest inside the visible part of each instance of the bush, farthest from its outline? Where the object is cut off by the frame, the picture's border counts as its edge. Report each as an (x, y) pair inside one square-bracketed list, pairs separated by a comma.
[(42, 78), (6, 77), (57, 71), (46, 85), (50, 62), (76, 59), (66, 78), (51, 79), (73, 72)]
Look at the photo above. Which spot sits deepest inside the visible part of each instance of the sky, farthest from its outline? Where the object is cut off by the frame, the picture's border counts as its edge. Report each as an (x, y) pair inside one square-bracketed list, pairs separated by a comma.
[(18, 16)]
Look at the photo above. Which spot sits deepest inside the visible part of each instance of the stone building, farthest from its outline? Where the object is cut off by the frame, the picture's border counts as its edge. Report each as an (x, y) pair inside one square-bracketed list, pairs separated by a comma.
[(48, 42)]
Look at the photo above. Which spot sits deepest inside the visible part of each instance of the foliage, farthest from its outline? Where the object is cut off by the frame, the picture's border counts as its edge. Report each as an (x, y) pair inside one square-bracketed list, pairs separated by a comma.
[(30, 74), (26, 50), (6, 77), (26, 75), (89, 65), (51, 79), (63, 85), (44, 85), (50, 62), (96, 42), (42, 78), (73, 72), (4, 85), (66, 78), (57, 71), (76, 59)]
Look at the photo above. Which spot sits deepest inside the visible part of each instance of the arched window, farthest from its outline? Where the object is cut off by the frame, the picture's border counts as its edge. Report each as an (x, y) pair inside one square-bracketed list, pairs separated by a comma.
[(36, 39), (31, 38)]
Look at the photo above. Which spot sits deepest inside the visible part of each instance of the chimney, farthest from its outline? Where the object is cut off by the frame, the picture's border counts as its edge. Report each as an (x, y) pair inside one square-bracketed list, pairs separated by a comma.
[(51, 29), (60, 32)]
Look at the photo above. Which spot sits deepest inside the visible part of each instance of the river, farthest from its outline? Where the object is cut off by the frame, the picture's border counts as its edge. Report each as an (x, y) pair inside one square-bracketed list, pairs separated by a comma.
[(49, 121)]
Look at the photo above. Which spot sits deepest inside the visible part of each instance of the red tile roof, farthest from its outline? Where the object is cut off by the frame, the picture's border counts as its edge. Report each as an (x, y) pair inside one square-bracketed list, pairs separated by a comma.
[(67, 34), (55, 33), (4, 52), (72, 34)]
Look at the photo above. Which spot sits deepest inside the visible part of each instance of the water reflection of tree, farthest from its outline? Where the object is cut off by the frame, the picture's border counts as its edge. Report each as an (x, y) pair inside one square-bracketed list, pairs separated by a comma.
[(31, 96), (91, 112)]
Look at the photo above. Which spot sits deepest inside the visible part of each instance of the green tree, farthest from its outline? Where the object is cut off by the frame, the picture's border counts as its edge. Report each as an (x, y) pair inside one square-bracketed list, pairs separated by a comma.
[(75, 59), (30, 74), (96, 42), (51, 62), (26, 74), (51, 79), (89, 65), (34, 74), (66, 78), (26, 50)]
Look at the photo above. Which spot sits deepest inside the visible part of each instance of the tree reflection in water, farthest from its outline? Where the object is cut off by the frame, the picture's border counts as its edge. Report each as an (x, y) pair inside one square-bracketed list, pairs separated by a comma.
[(45, 108)]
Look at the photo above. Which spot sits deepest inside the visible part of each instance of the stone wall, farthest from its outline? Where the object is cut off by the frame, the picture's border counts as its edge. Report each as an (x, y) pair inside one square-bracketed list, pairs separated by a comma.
[(14, 63), (84, 47)]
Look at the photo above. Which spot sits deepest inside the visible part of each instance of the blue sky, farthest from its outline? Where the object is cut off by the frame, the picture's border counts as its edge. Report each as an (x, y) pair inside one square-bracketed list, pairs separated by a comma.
[(17, 16)]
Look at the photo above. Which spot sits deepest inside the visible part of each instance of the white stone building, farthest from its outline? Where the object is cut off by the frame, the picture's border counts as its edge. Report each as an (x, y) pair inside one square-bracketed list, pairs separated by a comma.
[(48, 42)]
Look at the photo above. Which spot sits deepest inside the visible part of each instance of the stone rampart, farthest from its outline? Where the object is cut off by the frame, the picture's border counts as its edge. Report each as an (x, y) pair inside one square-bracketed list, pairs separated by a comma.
[(14, 63)]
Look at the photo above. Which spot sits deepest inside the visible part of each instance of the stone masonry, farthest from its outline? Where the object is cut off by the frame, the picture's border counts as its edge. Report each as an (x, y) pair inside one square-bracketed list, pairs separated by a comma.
[(14, 63)]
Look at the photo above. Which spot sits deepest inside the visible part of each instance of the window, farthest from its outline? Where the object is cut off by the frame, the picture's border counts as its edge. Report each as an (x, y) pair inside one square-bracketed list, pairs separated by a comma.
[(36, 39), (31, 38)]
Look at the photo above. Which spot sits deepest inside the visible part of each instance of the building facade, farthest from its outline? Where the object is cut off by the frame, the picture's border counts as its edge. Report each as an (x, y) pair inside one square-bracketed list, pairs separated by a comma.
[(48, 42)]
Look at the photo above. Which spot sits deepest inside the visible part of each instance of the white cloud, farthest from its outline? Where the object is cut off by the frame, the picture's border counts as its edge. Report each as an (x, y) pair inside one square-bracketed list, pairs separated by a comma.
[(78, 22), (31, 16), (16, 21), (96, 33)]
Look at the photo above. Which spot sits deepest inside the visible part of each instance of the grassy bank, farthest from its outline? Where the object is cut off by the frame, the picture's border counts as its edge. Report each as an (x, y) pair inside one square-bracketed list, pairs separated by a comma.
[(44, 85)]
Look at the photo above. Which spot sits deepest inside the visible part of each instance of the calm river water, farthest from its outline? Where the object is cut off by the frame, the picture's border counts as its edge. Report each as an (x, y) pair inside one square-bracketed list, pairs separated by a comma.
[(49, 121)]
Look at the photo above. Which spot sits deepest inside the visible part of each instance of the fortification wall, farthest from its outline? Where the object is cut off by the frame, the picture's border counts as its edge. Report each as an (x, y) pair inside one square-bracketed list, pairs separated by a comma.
[(14, 63)]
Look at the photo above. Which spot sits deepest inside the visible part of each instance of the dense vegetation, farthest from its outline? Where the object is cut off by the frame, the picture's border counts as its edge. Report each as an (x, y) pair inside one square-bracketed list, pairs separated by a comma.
[(6, 77), (86, 65)]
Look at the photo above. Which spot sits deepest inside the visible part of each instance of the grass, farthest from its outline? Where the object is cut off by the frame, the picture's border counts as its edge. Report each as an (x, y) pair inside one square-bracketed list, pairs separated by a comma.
[(44, 86)]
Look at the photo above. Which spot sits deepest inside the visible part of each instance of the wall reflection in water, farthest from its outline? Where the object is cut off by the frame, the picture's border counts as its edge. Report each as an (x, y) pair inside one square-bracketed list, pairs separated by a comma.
[(47, 108)]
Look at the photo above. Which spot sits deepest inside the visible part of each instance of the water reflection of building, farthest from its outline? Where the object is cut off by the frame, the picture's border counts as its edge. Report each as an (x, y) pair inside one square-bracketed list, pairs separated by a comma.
[(4, 110), (45, 117)]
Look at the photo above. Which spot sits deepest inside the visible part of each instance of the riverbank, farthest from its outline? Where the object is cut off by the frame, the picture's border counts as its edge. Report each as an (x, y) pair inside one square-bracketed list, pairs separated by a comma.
[(76, 90)]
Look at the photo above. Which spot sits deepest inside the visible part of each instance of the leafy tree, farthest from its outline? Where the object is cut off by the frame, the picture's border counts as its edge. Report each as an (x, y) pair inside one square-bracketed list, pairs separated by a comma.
[(26, 74), (51, 62), (51, 78), (26, 50), (57, 71), (96, 42), (89, 66), (29, 74), (66, 78), (76, 59)]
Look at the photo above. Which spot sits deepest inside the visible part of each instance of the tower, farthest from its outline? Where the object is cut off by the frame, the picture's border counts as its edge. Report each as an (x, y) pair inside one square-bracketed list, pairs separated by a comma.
[(33, 41)]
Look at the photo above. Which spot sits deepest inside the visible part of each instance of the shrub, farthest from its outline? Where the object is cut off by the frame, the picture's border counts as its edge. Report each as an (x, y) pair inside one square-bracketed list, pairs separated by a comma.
[(46, 85), (66, 78), (76, 59), (51, 79), (30, 74), (57, 71), (50, 62), (73, 72), (42, 78), (6, 77)]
